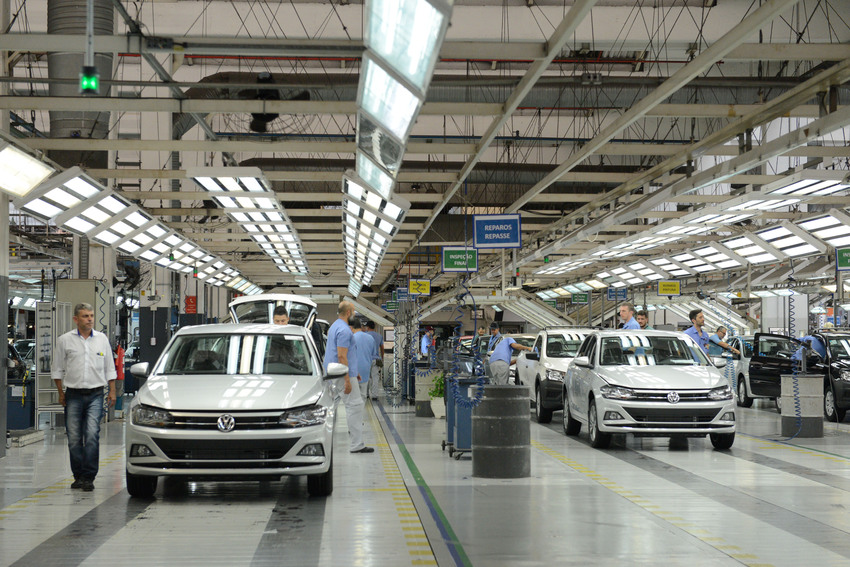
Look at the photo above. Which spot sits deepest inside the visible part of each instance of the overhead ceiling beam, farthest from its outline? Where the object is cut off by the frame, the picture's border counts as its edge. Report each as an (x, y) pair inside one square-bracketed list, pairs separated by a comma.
[(233, 106), (339, 48), (716, 51), (555, 43)]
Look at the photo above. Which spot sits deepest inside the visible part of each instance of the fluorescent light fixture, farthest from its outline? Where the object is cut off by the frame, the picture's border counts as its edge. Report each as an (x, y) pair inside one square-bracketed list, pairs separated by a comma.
[(386, 99), (497, 309), (407, 34), (374, 176), (809, 183), (21, 172), (379, 145), (354, 287)]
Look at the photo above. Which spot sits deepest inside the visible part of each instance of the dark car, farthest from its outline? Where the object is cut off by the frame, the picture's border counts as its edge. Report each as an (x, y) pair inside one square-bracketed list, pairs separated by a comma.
[(773, 355)]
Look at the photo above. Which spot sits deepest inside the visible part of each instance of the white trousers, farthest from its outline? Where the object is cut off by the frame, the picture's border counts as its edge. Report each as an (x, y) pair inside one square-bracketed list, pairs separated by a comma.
[(354, 412)]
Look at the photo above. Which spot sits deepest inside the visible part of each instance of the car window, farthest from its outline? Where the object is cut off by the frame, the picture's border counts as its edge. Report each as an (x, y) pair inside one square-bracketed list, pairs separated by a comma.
[(776, 347), (524, 341), (746, 347), (591, 353), (584, 349), (238, 354), (642, 350), (537, 344), (252, 312), (839, 347), (564, 346)]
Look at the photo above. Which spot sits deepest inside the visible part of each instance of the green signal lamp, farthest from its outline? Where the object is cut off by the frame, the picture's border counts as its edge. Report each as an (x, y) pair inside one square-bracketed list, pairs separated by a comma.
[(89, 80)]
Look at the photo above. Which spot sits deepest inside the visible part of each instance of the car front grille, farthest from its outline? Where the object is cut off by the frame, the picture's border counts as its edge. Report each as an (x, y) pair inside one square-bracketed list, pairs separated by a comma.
[(661, 396), (205, 421), (225, 449), (672, 417)]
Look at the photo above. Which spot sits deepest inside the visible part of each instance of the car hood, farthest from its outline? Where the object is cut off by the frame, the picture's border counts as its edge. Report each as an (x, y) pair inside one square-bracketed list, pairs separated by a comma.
[(663, 377), (246, 393)]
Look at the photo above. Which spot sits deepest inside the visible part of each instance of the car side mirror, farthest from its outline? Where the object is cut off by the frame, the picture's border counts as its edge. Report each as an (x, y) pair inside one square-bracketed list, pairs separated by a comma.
[(582, 361), (140, 369), (719, 361), (335, 370), (532, 356)]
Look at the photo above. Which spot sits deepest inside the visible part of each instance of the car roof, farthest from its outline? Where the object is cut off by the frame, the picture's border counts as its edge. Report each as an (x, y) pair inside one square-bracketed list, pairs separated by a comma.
[(651, 333), (242, 329), (568, 330)]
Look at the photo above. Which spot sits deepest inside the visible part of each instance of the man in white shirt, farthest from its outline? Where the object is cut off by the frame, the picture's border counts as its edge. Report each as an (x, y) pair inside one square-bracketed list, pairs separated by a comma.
[(82, 366)]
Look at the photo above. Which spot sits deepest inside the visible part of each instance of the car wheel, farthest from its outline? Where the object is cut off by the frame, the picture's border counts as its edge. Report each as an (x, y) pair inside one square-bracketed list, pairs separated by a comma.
[(831, 411), (321, 484), (542, 414), (598, 440), (571, 426), (743, 399), (722, 441), (141, 486)]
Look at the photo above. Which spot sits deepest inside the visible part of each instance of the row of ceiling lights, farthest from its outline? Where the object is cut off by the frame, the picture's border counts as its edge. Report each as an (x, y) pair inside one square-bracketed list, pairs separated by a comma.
[(77, 203), (402, 39), (771, 244)]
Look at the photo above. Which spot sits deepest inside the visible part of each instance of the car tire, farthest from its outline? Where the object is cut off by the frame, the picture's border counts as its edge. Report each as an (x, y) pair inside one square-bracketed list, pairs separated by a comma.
[(321, 484), (571, 426), (542, 414), (830, 411), (743, 399), (722, 441), (598, 439), (140, 486)]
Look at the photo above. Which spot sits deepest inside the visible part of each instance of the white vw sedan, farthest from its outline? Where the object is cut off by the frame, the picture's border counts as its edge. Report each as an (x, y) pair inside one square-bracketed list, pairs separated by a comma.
[(650, 384), (233, 402)]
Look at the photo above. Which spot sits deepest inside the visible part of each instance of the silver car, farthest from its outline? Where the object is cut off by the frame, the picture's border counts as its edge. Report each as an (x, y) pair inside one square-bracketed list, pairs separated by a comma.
[(233, 402), (650, 384)]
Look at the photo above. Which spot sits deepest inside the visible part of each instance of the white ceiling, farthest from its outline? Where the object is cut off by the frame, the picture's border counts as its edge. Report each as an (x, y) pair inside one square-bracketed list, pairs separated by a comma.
[(591, 147)]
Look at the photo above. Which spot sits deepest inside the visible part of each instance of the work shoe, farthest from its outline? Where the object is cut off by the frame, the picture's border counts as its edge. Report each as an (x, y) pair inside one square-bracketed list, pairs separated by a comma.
[(88, 485), (78, 483), (365, 450)]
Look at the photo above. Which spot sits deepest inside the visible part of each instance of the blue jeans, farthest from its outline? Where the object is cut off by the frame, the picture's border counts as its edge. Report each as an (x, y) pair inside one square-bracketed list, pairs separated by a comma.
[(82, 424)]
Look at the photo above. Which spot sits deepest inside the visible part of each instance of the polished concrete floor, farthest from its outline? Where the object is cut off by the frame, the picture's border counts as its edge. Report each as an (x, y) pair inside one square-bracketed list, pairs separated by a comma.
[(768, 501)]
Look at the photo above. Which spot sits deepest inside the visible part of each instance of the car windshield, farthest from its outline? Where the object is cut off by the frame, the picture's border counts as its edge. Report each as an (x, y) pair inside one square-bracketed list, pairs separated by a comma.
[(560, 346), (839, 347), (238, 354), (647, 350)]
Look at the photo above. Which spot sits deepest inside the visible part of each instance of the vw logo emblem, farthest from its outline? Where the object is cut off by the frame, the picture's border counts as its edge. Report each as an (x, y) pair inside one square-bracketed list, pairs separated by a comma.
[(672, 397), (226, 423)]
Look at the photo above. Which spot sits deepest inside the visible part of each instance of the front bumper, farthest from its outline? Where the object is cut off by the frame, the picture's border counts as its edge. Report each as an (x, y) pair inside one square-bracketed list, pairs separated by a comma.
[(660, 419), (552, 394), (235, 454)]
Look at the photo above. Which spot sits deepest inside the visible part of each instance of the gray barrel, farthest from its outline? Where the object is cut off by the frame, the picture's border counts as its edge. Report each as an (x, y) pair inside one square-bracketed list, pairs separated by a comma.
[(501, 433), (809, 391)]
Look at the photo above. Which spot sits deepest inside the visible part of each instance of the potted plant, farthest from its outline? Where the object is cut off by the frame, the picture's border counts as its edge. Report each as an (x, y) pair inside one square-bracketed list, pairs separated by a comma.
[(438, 395)]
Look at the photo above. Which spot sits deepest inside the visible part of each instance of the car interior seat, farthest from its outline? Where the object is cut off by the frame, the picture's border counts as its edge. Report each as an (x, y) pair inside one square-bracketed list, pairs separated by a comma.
[(205, 360)]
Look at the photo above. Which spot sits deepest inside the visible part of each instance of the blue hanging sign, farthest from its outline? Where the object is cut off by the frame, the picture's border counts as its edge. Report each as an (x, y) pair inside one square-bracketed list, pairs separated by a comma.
[(497, 231), (617, 294)]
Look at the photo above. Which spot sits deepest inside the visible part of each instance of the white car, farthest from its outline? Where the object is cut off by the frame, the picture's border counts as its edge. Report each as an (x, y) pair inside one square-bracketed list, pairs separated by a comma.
[(543, 370), (650, 384), (742, 370), (233, 401)]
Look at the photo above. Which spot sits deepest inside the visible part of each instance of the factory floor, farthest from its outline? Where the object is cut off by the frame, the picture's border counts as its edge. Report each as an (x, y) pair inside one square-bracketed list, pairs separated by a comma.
[(767, 501)]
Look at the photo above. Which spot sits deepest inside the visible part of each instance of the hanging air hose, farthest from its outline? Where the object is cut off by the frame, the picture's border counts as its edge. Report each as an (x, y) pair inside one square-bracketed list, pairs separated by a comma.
[(795, 381), (481, 380)]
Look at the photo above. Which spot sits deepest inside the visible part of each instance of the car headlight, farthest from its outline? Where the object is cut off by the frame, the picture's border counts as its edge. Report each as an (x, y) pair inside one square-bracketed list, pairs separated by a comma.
[(304, 417), (555, 375), (845, 375), (152, 417), (722, 393), (617, 393)]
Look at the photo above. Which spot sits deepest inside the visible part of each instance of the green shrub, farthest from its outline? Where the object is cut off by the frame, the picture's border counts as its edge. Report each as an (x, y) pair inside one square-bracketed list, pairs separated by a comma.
[(438, 389)]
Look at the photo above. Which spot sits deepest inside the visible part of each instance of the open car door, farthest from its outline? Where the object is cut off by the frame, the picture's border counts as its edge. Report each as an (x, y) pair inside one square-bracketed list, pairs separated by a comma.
[(771, 358)]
